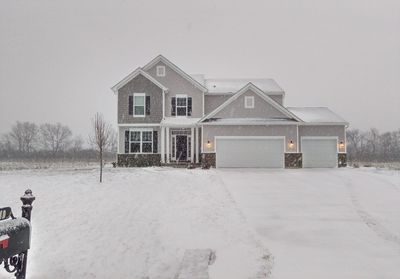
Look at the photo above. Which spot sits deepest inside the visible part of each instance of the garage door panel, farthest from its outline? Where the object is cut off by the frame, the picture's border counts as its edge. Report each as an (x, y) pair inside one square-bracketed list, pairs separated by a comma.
[(319, 153), (250, 152)]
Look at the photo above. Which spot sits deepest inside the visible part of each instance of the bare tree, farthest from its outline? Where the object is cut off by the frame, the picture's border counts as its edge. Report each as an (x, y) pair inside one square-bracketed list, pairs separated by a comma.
[(24, 136), (55, 137), (100, 138)]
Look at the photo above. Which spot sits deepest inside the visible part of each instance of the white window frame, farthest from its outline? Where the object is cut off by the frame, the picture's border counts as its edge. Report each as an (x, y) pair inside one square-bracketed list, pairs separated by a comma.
[(246, 100), (181, 96), (144, 104), (141, 140), (160, 71)]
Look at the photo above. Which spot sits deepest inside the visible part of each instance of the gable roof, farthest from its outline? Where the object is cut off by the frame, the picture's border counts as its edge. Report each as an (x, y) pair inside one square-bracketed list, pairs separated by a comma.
[(260, 93), (228, 85), (176, 69), (317, 115), (134, 74)]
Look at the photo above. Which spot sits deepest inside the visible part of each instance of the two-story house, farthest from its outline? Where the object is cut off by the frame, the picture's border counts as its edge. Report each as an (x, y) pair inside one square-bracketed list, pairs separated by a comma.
[(166, 115)]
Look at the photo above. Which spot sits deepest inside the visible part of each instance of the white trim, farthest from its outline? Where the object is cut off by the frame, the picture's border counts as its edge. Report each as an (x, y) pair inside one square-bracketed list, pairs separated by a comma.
[(160, 71), (144, 104), (192, 145), (134, 74), (162, 145), (161, 58), (173, 147), (197, 145), (246, 100), (272, 123), (163, 104), (269, 93), (202, 142), (168, 136), (139, 125), (259, 92), (321, 138), (257, 123), (297, 141), (250, 137)]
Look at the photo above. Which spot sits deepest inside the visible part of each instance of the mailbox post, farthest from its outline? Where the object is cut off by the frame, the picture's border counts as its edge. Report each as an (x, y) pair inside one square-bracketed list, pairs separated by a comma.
[(15, 236)]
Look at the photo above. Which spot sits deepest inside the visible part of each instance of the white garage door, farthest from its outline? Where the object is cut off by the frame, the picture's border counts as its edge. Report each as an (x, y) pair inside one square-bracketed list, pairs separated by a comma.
[(250, 152), (319, 152)]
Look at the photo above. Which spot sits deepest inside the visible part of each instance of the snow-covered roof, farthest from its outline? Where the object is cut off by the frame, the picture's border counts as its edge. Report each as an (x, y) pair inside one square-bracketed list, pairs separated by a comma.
[(317, 115), (233, 85), (249, 121), (179, 121)]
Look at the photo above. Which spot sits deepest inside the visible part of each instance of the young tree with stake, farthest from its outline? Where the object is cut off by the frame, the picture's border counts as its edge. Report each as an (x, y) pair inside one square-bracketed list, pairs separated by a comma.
[(100, 138)]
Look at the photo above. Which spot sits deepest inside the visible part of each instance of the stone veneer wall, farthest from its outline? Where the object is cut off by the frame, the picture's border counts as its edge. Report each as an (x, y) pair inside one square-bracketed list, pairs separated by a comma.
[(208, 159), (293, 160), (342, 160), (138, 160)]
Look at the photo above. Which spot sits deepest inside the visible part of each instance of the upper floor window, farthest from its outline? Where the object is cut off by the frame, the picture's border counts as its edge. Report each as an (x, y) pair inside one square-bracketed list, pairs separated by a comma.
[(139, 104), (249, 101), (181, 105), (160, 71)]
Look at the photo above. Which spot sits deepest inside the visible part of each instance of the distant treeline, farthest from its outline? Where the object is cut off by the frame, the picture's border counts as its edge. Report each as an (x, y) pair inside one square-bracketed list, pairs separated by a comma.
[(48, 141), (372, 146)]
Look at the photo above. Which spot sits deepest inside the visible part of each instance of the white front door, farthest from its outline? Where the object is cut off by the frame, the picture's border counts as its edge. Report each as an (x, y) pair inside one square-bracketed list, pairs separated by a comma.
[(250, 152), (319, 152)]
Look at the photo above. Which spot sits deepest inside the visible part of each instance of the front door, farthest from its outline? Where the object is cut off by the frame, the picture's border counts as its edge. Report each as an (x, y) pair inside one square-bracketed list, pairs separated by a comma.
[(181, 148)]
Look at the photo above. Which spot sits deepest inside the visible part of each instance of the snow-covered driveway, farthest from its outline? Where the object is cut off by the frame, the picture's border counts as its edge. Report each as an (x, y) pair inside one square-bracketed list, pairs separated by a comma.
[(339, 223)]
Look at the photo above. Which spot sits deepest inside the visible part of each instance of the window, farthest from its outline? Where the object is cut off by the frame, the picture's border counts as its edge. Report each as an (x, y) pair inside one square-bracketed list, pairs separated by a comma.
[(249, 101), (161, 71), (181, 105), (141, 141), (139, 104)]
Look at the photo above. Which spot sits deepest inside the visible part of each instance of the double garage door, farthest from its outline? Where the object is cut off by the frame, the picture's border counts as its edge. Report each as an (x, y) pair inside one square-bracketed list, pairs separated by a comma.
[(250, 152), (268, 152)]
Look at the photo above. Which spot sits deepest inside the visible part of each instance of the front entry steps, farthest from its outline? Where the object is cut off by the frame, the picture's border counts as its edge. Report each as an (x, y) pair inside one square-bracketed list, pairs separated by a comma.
[(195, 264)]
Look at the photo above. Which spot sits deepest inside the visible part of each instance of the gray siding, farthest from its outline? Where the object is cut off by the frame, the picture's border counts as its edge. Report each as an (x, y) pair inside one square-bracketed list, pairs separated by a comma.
[(277, 98), (214, 101), (323, 131), (211, 131), (140, 84), (176, 84), (261, 109)]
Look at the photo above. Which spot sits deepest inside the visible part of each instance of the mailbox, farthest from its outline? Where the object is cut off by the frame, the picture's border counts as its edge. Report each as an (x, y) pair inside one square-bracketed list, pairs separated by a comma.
[(14, 234)]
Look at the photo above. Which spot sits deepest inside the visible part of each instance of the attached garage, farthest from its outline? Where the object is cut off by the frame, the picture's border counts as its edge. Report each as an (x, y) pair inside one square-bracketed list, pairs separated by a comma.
[(319, 152), (250, 152)]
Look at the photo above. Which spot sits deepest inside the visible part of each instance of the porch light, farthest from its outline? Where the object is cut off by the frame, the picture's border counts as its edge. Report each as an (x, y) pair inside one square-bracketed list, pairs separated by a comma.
[(291, 144), (341, 144), (208, 144)]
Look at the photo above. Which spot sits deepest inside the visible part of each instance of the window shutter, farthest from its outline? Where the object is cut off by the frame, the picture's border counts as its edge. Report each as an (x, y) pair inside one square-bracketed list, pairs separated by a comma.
[(173, 106), (147, 105), (127, 142), (155, 141), (189, 100), (130, 105)]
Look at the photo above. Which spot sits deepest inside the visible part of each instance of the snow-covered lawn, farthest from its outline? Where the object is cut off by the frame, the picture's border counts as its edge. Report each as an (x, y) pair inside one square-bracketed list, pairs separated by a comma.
[(337, 223)]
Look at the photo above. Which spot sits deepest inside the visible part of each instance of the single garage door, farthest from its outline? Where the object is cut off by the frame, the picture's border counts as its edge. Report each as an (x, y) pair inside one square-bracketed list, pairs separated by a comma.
[(249, 152), (319, 152)]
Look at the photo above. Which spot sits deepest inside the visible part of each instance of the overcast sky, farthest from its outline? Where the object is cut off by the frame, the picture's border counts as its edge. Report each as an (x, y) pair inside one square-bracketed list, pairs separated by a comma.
[(58, 59)]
